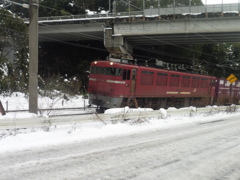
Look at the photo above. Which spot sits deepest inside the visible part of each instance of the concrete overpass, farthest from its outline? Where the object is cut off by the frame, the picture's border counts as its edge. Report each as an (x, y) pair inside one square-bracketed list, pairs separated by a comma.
[(173, 25)]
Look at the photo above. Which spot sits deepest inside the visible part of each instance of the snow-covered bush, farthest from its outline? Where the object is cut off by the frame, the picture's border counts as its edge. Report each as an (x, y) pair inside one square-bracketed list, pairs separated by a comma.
[(56, 85)]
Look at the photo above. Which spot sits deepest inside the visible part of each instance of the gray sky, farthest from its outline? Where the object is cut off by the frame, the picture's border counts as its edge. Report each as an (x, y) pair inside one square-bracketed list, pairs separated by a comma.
[(220, 1)]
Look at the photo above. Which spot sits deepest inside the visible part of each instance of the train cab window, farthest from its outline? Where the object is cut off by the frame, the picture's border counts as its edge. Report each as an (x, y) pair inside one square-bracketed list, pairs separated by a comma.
[(126, 74), (92, 70), (118, 72), (104, 71), (96, 70), (114, 71), (111, 71), (162, 79), (99, 70), (175, 79), (185, 81)]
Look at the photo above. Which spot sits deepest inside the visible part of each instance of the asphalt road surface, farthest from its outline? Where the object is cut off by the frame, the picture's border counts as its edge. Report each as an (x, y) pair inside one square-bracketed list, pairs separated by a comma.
[(203, 151)]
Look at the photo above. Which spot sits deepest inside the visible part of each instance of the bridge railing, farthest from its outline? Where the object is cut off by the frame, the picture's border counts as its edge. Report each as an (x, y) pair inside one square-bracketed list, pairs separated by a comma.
[(216, 8), (69, 17), (87, 16), (193, 9), (82, 16)]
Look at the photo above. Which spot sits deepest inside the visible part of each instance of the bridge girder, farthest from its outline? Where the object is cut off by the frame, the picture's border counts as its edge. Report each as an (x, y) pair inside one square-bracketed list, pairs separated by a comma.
[(139, 31), (180, 39)]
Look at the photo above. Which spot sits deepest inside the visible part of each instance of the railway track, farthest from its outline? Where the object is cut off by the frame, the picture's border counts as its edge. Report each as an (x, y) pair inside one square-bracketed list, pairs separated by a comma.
[(53, 109), (58, 112)]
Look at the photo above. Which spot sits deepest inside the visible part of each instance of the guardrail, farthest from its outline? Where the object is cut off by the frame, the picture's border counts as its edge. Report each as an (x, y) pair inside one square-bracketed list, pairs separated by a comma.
[(41, 122)]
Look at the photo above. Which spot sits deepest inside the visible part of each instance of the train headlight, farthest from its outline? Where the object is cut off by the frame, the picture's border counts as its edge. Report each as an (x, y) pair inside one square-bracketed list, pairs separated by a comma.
[(95, 62), (111, 63)]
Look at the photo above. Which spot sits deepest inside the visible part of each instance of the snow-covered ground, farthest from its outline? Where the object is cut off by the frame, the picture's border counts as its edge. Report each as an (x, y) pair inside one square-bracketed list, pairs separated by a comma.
[(64, 134), (19, 101), (179, 147)]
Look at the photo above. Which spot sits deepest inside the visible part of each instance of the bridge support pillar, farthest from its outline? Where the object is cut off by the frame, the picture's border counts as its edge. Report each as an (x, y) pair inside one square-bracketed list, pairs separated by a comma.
[(116, 45)]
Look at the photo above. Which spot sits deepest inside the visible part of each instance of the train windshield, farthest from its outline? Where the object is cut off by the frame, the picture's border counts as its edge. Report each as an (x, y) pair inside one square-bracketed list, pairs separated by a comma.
[(110, 71)]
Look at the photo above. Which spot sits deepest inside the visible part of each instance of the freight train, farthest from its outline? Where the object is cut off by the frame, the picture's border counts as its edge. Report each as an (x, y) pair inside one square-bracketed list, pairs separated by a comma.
[(118, 83)]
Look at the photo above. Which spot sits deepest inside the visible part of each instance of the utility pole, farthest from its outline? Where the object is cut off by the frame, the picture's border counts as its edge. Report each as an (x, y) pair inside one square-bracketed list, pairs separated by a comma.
[(174, 8), (222, 8), (33, 56), (114, 8), (129, 7), (206, 14), (143, 6), (190, 7)]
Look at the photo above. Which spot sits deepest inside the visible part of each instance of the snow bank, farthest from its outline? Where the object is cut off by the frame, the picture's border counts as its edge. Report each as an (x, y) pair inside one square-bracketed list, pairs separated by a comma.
[(126, 110), (90, 12), (18, 116), (64, 134), (163, 112)]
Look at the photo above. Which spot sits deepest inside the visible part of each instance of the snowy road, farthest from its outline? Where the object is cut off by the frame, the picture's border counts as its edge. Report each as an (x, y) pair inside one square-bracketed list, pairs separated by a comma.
[(207, 150)]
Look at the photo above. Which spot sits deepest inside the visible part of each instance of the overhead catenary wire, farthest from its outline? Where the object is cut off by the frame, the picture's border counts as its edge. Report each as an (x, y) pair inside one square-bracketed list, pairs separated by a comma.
[(82, 34), (47, 7), (74, 44), (96, 38), (149, 37), (93, 37)]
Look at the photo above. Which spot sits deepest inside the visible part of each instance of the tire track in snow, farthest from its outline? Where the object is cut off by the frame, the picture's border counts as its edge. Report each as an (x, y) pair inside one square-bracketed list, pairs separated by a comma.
[(187, 152)]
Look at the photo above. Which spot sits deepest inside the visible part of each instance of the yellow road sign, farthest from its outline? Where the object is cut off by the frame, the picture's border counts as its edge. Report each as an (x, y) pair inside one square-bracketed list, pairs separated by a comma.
[(231, 78)]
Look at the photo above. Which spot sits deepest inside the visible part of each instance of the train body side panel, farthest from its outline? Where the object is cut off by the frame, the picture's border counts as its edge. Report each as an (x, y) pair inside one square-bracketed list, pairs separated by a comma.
[(163, 83)]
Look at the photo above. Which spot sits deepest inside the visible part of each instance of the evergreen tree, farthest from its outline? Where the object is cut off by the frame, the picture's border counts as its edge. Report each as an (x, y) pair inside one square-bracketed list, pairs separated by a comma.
[(215, 59), (234, 59), (17, 9), (13, 69), (57, 8), (46, 8)]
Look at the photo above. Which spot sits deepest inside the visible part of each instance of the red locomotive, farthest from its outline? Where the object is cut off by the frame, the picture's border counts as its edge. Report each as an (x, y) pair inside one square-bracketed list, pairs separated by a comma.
[(120, 83)]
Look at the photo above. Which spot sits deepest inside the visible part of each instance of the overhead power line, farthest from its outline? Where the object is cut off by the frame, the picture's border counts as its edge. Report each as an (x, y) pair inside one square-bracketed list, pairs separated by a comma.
[(149, 37)]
